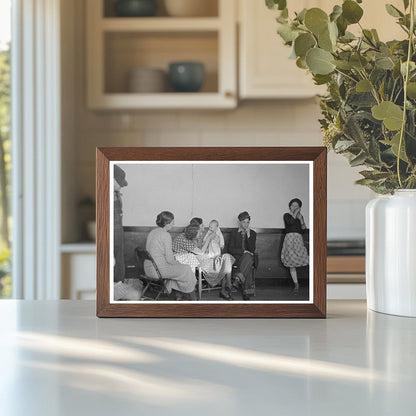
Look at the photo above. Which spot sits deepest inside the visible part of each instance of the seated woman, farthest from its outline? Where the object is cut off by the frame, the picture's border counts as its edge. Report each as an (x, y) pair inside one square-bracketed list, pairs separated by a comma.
[(159, 245), (187, 251), (242, 246)]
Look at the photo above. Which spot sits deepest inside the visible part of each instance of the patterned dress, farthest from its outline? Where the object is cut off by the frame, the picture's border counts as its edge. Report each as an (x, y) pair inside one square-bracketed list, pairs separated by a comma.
[(294, 253), (214, 268), (180, 276)]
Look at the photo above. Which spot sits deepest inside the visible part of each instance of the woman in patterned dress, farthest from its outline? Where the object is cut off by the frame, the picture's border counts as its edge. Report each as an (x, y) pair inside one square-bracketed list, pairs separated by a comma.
[(215, 271), (159, 244), (294, 253)]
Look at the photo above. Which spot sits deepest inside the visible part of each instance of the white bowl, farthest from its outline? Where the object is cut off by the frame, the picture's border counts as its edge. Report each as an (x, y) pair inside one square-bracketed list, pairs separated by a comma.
[(191, 8), (147, 80)]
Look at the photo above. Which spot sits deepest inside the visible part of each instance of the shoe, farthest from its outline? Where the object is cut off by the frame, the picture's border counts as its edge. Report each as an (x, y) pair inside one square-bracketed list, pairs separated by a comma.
[(237, 282), (246, 297), (226, 296)]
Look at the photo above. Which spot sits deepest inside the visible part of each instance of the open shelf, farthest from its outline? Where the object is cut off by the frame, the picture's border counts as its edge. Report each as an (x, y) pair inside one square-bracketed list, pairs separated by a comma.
[(116, 46), (127, 51), (160, 24)]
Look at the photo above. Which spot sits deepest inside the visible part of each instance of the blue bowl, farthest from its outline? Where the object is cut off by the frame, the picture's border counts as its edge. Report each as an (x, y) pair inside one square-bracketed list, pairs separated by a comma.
[(186, 76), (135, 8)]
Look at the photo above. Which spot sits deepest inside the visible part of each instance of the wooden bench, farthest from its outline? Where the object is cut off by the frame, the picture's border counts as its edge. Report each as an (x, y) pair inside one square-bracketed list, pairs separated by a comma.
[(268, 246)]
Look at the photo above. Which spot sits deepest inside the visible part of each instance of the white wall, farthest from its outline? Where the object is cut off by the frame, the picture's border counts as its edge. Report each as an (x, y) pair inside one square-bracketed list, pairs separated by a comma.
[(211, 191)]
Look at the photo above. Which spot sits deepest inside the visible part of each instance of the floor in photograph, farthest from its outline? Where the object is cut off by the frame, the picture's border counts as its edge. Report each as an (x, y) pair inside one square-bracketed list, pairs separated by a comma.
[(266, 290)]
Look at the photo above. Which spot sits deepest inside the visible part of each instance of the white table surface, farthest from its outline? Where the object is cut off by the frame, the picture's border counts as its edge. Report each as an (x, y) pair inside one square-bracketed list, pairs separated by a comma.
[(57, 358)]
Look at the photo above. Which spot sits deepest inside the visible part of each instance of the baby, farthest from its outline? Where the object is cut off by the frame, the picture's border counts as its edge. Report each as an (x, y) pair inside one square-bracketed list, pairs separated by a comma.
[(217, 242)]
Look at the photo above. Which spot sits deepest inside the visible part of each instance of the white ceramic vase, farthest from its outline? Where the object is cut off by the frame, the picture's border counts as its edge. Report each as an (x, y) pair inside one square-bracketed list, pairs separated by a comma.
[(391, 253)]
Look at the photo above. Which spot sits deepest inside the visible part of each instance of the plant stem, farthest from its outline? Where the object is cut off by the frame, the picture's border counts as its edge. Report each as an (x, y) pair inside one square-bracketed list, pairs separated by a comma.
[(406, 79)]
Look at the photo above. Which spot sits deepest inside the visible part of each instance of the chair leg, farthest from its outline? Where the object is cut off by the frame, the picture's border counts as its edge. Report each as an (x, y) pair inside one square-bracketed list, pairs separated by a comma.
[(199, 276)]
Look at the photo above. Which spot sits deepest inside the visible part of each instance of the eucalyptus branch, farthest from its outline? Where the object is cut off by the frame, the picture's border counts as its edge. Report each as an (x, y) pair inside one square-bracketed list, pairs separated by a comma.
[(406, 79)]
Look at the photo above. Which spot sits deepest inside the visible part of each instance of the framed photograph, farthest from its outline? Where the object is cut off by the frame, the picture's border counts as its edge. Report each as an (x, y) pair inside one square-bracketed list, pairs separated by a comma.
[(211, 232)]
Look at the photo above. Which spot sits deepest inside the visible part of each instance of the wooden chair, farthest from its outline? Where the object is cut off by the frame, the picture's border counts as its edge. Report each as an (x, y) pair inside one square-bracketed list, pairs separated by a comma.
[(157, 284), (202, 284)]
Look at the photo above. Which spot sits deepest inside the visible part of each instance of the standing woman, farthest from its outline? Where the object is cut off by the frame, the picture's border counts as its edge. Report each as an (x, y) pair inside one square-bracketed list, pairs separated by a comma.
[(159, 245), (294, 252)]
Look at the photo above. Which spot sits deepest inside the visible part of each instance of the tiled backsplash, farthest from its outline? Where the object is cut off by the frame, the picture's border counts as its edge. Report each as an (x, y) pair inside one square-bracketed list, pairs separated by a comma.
[(271, 123)]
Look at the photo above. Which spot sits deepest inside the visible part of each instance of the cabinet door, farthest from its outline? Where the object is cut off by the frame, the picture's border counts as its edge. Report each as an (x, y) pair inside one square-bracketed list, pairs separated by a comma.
[(266, 71)]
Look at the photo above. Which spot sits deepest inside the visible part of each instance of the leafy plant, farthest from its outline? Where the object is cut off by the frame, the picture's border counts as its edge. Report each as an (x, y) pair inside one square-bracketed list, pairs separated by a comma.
[(369, 112)]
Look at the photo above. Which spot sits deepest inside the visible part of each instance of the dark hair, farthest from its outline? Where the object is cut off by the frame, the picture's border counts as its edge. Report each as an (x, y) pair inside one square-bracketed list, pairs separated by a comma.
[(196, 221), (165, 217), (191, 231), (295, 200)]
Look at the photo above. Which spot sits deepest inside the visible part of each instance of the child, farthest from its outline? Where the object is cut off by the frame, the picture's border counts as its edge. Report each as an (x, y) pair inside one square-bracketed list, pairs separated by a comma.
[(217, 243)]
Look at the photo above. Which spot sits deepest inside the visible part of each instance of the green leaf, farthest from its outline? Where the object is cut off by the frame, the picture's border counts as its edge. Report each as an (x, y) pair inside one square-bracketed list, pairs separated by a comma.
[(351, 11), (375, 35), (394, 145), (325, 42), (384, 62), (347, 37), (301, 15), (276, 4), (358, 61), (321, 79), (359, 160), (301, 63), (391, 114), (319, 61), (411, 90), (344, 65), (336, 12), (303, 43), (287, 33), (363, 86), (342, 25), (393, 11), (343, 145), (316, 20)]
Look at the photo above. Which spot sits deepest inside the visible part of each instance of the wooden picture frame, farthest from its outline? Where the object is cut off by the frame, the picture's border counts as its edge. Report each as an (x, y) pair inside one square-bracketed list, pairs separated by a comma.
[(272, 171)]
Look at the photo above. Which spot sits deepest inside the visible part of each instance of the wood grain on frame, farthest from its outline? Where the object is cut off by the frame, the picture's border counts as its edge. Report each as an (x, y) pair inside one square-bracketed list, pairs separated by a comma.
[(317, 309)]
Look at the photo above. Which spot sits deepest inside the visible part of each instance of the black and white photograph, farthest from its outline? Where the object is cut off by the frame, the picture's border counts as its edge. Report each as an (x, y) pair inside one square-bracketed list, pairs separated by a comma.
[(208, 231)]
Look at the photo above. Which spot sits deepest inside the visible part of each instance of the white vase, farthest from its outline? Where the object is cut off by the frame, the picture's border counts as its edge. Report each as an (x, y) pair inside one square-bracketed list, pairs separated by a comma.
[(391, 253)]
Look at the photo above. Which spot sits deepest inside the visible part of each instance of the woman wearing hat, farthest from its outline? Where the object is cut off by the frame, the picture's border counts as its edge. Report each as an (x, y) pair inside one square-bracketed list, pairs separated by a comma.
[(294, 253), (242, 246)]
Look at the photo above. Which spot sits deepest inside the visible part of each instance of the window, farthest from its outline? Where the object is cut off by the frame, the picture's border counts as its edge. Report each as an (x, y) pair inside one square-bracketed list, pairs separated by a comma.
[(5, 147)]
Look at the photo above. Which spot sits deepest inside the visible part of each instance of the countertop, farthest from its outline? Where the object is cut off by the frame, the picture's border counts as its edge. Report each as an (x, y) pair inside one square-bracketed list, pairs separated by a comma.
[(57, 358)]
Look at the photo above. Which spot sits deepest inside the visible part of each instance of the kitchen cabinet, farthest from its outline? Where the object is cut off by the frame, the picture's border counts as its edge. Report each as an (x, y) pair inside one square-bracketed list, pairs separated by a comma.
[(265, 70), (118, 45)]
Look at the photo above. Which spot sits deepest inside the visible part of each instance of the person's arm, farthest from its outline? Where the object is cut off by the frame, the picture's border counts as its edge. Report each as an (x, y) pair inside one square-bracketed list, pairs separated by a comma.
[(167, 240), (233, 247), (302, 221), (202, 250)]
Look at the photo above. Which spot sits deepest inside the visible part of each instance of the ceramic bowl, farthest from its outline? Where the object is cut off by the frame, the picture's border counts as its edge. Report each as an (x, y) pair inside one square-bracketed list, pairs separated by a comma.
[(186, 76), (147, 80), (135, 8)]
